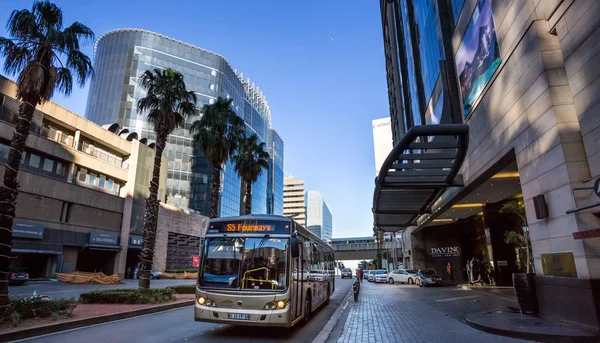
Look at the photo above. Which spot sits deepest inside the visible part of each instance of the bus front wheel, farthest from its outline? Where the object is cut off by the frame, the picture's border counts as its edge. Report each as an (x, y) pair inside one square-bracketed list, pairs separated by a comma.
[(307, 303)]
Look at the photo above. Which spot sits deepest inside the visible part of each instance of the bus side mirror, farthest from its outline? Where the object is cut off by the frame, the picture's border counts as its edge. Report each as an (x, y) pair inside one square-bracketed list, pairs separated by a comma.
[(295, 246)]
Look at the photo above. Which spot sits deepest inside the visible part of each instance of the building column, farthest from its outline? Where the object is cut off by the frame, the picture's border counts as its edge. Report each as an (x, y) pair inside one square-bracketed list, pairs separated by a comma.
[(414, 248), (552, 162), (127, 192)]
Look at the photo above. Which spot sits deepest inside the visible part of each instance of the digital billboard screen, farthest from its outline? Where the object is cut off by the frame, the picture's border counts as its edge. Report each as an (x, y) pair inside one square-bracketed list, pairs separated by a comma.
[(478, 56)]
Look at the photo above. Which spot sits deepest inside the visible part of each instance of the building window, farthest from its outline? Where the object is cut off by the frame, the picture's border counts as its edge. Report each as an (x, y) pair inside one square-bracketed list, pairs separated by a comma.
[(34, 161), (102, 181), (60, 169), (82, 175), (92, 179), (48, 165)]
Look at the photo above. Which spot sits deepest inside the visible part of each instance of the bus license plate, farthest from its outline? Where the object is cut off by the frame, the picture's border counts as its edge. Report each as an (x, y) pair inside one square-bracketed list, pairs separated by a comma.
[(239, 316)]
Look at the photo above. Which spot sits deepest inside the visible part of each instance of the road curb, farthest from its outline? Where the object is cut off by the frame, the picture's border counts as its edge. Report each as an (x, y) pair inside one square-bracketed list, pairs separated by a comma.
[(330, 326), (78, 323), (530, 336)]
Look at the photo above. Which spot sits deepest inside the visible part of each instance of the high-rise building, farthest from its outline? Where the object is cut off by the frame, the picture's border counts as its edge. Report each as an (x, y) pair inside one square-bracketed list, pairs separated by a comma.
[(275, 179), (293, 199), (523, 76), (121, 56), (382, 140), (318, 216)]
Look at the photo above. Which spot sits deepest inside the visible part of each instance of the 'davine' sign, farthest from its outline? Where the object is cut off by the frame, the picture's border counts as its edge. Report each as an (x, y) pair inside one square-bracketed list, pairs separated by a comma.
[(445, 251)]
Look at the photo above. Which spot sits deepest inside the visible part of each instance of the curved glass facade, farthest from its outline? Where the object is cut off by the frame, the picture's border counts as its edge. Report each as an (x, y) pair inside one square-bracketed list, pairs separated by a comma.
[(121, 56)]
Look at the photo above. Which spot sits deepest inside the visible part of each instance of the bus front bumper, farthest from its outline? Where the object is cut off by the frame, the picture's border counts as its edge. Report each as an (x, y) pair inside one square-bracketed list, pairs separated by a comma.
[(270, 318)]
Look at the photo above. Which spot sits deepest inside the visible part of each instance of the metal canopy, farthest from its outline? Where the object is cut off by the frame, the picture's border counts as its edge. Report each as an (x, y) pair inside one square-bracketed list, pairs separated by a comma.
[(416, 172)]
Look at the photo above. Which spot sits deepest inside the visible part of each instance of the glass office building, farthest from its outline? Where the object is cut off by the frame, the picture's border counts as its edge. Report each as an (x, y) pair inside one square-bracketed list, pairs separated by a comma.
[(275, 181), (318, 216), (416, 35), (121, 56)]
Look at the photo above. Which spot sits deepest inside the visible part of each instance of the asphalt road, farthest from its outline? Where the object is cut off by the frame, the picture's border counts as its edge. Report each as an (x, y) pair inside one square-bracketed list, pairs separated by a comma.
[(179, 326), (57, 289)]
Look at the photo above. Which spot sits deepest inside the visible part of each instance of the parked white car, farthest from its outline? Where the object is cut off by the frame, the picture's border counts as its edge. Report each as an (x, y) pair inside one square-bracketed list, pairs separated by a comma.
[(403, 276), (381, 275)]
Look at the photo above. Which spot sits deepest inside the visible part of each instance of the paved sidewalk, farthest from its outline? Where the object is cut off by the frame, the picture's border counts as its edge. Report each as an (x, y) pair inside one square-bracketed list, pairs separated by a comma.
[(391, 313)]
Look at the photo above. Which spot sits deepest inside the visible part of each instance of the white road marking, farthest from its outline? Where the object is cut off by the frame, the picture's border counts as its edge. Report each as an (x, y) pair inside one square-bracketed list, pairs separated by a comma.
[(458, 298)]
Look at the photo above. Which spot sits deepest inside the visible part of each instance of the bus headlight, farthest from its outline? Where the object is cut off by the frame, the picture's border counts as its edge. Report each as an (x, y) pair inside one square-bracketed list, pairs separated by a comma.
[(274, 305), (201, 300)]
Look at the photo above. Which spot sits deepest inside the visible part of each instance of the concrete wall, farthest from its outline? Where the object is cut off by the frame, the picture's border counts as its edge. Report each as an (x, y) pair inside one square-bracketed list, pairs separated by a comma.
[(172, 219)]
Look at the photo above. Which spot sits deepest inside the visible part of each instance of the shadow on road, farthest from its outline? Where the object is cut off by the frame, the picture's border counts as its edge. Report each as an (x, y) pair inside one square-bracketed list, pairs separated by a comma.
[(261, 333)]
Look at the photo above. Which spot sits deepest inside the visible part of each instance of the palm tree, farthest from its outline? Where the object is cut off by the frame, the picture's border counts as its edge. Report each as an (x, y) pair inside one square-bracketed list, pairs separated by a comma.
[(168, 103), (216, 134), (250, 159), (44, 56)]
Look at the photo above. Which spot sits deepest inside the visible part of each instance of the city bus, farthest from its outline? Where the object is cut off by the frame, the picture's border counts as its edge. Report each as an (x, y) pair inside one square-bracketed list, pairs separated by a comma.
[(262, 270)]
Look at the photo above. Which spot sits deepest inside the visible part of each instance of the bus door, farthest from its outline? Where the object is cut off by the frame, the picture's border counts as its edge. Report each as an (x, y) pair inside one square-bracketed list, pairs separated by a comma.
[(298, 281)]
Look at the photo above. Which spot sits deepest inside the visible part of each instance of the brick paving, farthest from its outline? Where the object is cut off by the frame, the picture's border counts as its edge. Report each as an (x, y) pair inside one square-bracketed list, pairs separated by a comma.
[(392, 313)]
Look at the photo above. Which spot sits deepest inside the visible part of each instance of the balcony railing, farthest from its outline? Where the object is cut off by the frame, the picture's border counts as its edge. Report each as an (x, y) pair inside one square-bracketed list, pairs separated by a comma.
[(90, 149)]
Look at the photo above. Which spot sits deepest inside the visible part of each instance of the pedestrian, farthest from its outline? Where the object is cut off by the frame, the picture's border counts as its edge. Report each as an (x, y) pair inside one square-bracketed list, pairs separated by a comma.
[(361, 274), (450, 271)]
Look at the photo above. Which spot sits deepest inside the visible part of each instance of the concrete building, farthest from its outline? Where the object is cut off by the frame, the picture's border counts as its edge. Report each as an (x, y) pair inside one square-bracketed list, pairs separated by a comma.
[(293, 200), (318, 216), (82, 194), (524, 76), (121, 56), (382, 140)]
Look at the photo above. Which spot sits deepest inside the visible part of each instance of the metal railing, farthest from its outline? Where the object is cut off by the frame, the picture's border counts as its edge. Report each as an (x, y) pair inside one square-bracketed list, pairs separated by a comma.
[(90, 149)]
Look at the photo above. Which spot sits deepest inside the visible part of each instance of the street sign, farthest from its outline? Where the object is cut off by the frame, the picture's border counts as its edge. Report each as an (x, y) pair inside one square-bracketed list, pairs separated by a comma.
[(195, 261)]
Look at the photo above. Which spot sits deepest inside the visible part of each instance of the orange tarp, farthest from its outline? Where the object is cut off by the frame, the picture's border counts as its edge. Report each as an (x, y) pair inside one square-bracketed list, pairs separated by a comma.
[(184, 275), (83, 278)]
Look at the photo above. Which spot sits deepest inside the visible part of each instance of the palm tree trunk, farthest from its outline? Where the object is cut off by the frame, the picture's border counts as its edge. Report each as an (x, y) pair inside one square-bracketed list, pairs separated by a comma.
[(151, 215), (216, 187), (248, 202), (9, 192)]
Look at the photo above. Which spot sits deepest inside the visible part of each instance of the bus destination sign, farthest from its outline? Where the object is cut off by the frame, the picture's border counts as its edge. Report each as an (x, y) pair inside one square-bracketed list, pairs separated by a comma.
[(267, 227)]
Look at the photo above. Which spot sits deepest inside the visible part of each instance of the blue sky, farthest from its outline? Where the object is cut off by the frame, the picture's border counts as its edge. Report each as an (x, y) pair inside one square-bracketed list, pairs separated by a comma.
[(323, 94)]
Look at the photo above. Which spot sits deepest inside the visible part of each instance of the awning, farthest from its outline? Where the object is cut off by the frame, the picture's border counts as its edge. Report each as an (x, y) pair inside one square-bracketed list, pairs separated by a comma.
[(95, 246), (423, 164)]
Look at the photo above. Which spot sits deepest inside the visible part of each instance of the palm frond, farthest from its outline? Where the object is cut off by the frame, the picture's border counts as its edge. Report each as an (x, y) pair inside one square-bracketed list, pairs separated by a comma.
[(81, 64), (250, 158), (75, 33), (23, 26), (64, 81), (39, 49), (47, 14), (16, 55), (167, 100)]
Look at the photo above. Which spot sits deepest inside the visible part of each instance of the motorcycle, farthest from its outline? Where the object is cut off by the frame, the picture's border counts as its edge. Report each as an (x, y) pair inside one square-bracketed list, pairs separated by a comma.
[(356, 287)]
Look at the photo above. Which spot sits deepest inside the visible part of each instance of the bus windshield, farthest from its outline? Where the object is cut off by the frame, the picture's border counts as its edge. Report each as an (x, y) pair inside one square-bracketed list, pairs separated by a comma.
[(245, 263)]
